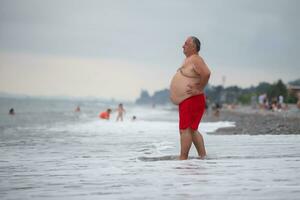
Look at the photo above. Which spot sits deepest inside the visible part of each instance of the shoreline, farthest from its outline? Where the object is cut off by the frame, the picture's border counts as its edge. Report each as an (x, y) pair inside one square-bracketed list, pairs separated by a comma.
[(256, 122)]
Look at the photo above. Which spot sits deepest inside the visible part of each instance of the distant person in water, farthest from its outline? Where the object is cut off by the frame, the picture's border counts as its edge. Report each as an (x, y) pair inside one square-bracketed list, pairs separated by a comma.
[(77, 109), (121, 112), (187, 91), (133, 118), (105, 114), (11, 111)]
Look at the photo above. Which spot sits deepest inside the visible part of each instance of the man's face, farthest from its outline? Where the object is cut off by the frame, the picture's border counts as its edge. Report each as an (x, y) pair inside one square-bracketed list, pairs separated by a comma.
[(188, 47)]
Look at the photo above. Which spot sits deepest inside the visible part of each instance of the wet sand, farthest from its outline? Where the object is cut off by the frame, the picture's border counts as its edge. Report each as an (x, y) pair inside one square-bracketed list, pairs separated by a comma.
[(256, 122)]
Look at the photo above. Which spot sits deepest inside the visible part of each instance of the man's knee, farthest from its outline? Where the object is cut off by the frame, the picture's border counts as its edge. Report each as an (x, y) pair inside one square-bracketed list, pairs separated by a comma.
[(187, 130)]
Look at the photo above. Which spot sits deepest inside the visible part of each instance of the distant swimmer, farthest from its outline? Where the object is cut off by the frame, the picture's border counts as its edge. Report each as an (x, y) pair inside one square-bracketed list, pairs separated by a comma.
[(77, 109), (133, 118), (105, 114), (11, 111), (187, 91), (120, 111)]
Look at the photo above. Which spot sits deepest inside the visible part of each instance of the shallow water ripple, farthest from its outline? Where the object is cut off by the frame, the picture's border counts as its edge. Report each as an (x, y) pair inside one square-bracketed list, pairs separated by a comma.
[(138, 160)]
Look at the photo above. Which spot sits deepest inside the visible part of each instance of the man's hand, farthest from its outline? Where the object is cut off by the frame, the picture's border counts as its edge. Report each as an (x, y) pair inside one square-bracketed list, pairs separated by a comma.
[(193, 89)]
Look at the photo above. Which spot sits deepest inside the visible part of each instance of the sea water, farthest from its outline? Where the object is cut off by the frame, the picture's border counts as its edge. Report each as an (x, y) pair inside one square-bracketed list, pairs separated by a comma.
[(48, 151)]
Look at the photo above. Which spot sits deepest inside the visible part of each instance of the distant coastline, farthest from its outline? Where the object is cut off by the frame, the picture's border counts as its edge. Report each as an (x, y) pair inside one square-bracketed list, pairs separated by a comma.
[(7, 95)]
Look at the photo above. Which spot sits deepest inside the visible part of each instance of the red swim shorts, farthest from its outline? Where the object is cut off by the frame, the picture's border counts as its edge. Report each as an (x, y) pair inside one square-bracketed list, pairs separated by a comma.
[(191, 111)]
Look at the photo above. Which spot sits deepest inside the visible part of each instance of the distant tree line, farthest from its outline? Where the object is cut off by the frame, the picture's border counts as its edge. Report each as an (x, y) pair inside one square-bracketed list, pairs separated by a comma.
[(159, 97), (232, 94)]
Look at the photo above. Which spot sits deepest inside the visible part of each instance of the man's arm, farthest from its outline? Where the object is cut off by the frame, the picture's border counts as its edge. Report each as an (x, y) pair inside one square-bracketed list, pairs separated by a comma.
[(201, 68)]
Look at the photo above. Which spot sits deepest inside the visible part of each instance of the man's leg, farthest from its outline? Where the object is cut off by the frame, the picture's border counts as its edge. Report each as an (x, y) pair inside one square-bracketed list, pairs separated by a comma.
[(185, 142), (199, 143)]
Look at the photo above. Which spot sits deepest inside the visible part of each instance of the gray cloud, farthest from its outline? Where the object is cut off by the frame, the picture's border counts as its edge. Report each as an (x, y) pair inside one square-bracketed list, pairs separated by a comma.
[(240, 35)]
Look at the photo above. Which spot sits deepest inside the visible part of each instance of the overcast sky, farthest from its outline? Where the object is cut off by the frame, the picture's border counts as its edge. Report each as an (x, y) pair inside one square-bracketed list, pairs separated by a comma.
[(113, 49)]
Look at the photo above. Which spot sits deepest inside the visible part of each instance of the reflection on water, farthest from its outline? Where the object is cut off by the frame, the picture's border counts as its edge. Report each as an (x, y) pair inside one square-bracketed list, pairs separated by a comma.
[(85, 158)]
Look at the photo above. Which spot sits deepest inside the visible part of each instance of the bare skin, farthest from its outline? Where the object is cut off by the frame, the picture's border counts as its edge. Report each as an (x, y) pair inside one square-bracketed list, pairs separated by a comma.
[(190, 81), (120, 111), (180, 82), (187, 137)]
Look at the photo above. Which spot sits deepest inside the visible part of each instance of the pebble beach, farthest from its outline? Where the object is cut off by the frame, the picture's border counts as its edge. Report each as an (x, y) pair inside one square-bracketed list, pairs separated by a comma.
[(257, 122)]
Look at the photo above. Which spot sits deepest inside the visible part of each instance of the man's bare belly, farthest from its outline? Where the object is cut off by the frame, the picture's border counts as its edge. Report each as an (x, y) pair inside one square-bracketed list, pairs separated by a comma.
[(179, 87)]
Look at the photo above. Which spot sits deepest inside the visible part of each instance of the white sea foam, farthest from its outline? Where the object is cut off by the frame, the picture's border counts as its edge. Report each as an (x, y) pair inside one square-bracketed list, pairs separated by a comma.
[(88, 158)]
